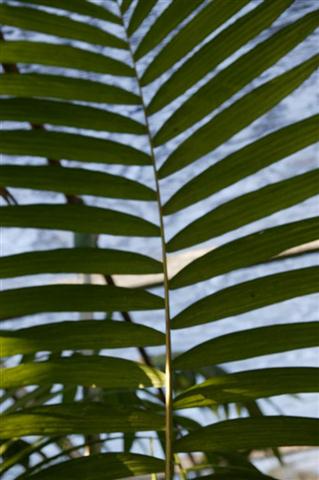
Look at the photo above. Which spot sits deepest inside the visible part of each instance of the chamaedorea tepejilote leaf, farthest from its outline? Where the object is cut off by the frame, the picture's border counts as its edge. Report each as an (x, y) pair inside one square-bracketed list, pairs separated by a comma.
[(57, 25), (252, 433), (75, 181), (175, 12), (238, 116), (250, 295), (243, 252), (75, 298), (246, 209), (249, 344), (111, 465), (88, 335), (66, 88), (78, 6), (80, 417), (77, 218), (106, 372), (70, 146), (229, 81), (73, 260), (38, 111), (140, 12), (63, 56), (212, 16), (244, 162), (50, 98), (249, 385), (203, 62)]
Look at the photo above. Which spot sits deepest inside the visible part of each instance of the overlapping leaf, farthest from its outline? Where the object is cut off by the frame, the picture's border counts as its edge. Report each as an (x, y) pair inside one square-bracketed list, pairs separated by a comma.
[(106, 372), (249, 344), (75, 298), (252, 433), (248, 296), (81, 260), (82, 335), (107, 466), (87, 418), (249, 385), (74, 181)]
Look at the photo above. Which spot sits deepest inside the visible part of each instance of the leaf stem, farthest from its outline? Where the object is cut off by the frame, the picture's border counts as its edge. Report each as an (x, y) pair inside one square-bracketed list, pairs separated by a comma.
[(169, 458)]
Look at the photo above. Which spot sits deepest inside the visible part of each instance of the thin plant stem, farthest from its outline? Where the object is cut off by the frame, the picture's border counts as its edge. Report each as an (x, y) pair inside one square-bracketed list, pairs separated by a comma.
[(169, 460)]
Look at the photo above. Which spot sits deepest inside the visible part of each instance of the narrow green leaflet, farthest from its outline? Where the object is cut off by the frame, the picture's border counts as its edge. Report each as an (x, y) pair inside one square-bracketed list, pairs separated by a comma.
[(65, 88), (125, 5), (175, 13), (84, 418), (61, 56), (74, 181), (39, 21), (245, 251), (69, 146), (238, 116), (75, 298), (82, 335), (77, 218), (224, 45), (83, 7), (203, 24), (246, 161), (105, 372), (141, 11), (252, 433), (250, 343), (248, 296), (239, 74), (37, 111), (106, 466), (249, 385), (78, 260), (247, 209)]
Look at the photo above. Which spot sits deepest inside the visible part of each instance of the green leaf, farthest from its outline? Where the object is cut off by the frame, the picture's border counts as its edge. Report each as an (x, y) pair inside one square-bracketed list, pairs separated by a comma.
[(204, 23), (82, 335), (74, 181), (75, 298), (106, 466), (77, 218), (60, 26), (67, 88), (245, 251), (169, 19), (248, 296), (141, 11), (249, 385), (239, 74), (244, 162), (69, 146), (84, 418), (252, 433), (247, 209), (83, 7), (238, 116), (125, 5), (78, 260), (224, 45), (105, 372), (249, 344), (38, 111), (61, 56)]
